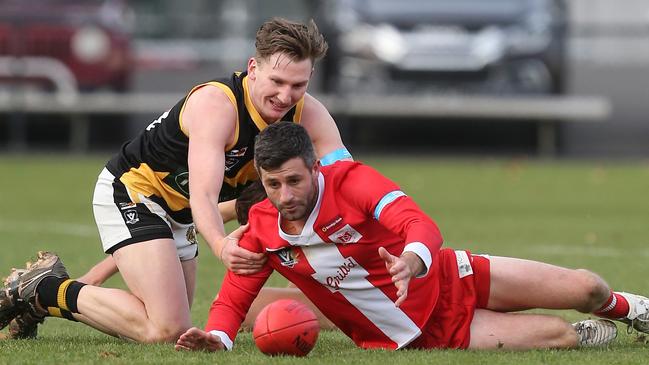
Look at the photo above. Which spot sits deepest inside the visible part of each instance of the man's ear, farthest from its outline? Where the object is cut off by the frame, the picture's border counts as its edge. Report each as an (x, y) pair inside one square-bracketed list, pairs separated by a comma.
[(252, 67)]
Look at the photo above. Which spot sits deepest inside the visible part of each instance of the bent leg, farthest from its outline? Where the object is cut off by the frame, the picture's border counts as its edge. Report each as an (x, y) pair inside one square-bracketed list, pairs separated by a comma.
[(269, 295), (156, 310), (518, 284), (520, 331)]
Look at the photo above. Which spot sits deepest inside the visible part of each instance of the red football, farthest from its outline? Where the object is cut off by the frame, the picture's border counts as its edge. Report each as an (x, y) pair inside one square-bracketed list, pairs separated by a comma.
[(286, 327)]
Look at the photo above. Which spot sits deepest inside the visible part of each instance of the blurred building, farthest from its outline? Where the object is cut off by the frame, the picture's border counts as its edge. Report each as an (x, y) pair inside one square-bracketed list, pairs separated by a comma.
[(609, 55), (178, 44)]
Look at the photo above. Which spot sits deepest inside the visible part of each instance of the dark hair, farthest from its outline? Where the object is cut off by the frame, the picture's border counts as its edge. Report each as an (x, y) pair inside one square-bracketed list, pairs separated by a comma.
[(297, 40), (251, 195), (280, 142)]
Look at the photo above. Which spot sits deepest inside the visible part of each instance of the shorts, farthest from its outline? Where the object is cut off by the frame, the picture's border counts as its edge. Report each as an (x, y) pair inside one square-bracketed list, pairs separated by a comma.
[(122, 222), (464, 281)]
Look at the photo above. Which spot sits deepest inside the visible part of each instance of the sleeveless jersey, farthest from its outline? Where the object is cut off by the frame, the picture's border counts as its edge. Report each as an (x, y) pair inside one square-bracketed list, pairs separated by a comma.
[(154, 164)]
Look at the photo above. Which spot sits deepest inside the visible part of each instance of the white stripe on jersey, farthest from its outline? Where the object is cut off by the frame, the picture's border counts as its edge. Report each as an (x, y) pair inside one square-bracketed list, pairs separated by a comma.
[(346, 276), (112, 228)]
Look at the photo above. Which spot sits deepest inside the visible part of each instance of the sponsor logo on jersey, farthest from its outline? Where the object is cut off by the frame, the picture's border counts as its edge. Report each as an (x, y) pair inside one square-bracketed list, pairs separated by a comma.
[(191, 235), (329, 225), (237, 153), (230, 163), (127, 205), (287, 257), (346, 235), (233, 157), (342, 272), (182, 181), (463, 264), (131, 217)]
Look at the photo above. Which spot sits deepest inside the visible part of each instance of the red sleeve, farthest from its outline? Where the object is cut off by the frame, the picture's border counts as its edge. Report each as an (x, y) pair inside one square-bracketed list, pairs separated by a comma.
[(237, 293), (384, 201), (231, 304), (406, 219)]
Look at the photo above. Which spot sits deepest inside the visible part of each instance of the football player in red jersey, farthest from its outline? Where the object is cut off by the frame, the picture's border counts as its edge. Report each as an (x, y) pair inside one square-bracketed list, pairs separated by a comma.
[(370, 259)]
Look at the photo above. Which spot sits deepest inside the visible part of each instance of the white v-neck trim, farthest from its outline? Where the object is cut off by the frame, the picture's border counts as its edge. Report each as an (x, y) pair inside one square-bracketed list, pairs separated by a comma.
[(308, 236)]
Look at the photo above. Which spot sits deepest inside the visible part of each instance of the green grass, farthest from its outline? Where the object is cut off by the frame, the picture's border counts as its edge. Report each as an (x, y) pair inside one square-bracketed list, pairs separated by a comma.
[(577, 214)]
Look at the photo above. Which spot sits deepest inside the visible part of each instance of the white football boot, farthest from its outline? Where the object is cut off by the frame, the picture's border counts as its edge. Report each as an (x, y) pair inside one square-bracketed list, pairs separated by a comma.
[(595, 332), (638, 316)]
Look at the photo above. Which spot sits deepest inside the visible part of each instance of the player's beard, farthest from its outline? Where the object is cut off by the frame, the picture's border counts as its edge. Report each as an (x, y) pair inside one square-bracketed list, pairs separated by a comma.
[(303, 209)]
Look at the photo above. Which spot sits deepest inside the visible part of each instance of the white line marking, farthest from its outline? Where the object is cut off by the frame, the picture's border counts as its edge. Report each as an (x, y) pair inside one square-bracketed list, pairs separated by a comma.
[(51, 227), (583, 250)]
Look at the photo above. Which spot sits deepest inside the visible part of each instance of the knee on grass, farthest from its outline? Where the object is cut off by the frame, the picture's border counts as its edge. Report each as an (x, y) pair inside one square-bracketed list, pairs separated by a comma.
[(560, 334), (165, 333)]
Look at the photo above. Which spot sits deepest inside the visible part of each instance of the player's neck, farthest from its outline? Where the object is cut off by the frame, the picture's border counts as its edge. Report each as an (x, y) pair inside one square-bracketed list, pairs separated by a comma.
[(292, 227)]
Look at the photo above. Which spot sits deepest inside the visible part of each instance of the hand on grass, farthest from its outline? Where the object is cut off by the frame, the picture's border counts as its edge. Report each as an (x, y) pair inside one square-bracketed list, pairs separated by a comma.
[(195, 339)]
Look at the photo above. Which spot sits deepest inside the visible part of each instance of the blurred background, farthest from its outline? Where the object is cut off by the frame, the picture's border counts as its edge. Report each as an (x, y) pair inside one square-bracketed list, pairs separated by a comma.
[(547, 78)]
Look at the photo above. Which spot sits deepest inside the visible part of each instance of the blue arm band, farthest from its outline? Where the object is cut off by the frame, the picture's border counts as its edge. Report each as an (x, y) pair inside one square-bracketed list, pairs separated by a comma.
[(387, 199), (337, 155)]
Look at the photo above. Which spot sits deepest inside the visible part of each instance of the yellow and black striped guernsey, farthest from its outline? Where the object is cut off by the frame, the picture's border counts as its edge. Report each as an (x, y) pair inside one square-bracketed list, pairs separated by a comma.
[(154, 164)]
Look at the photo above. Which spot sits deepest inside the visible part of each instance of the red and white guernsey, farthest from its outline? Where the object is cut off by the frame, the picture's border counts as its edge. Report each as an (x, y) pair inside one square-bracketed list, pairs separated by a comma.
[(335, 260)]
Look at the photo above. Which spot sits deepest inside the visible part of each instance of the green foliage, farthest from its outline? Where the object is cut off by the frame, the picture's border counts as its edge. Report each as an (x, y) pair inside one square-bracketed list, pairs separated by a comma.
[(577, 214)]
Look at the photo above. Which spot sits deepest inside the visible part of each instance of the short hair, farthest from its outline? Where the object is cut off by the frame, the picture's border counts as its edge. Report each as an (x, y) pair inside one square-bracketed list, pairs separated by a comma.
[(298, 41), (280, 142)]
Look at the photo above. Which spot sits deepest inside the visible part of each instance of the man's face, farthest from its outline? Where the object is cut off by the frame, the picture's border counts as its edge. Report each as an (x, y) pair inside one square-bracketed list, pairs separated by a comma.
[(276, 84), (292, 188)]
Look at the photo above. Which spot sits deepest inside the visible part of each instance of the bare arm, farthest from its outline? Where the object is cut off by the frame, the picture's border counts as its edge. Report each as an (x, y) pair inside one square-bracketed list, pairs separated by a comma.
[(100, 272), (227, 210), (209, 118), (321, 127)]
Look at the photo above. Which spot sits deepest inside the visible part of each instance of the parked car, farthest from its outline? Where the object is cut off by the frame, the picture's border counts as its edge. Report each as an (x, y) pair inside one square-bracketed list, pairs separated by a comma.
[(472, 46), (43, 41)]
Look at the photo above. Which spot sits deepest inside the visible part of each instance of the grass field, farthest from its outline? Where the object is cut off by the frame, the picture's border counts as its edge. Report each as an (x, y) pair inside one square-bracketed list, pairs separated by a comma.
[(577, 214)]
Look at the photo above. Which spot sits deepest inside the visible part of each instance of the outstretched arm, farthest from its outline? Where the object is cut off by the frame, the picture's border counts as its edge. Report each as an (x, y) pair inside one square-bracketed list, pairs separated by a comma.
[(209, 119), (402, 269)]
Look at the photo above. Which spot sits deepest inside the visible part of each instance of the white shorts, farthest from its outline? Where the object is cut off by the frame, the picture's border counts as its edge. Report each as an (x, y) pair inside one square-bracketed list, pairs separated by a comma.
[(123, 222)]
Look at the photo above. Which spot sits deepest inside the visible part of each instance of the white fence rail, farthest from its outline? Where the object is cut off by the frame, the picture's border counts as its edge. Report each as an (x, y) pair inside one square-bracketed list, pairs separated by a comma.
[(546, 111)]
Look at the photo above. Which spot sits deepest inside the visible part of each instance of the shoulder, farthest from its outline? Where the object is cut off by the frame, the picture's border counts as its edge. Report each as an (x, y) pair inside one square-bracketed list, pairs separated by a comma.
[(262, 212), (314, 114), (209, 102), (262, 219), (354, 181), (341, 169), (345, 175), (310, 101), (210, 94)]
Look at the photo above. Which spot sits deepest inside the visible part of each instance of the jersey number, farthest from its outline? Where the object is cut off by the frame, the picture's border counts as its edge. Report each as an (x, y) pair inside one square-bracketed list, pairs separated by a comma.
[(157, 121)]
